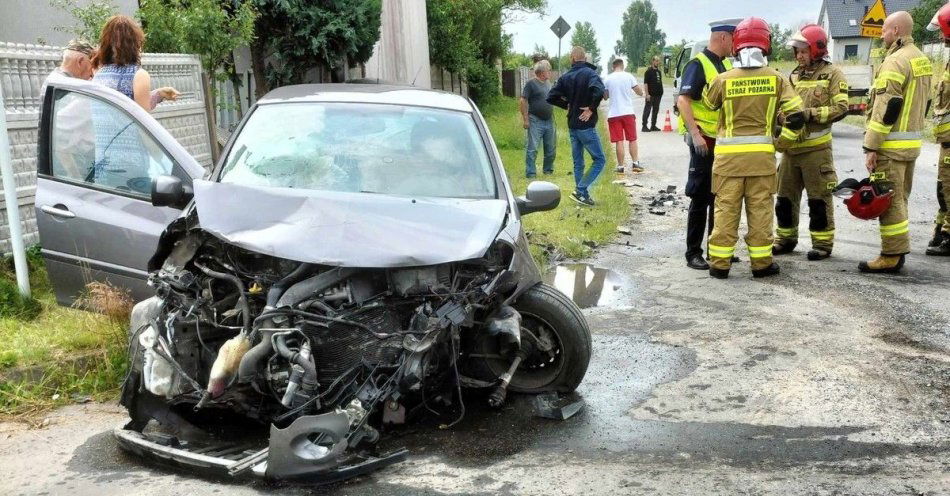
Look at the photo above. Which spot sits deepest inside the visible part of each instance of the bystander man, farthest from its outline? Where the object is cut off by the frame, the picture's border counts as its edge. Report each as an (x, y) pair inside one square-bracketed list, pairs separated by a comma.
[(653, 83), (580, 91), (537, 119), (621, 117)]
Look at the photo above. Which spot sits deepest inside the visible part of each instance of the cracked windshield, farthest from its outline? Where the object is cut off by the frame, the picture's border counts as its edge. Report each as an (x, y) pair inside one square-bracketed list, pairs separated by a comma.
[(362, 148)]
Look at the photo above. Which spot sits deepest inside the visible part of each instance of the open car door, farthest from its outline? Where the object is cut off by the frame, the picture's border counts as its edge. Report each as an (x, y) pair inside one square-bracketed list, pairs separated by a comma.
[(98, 152)]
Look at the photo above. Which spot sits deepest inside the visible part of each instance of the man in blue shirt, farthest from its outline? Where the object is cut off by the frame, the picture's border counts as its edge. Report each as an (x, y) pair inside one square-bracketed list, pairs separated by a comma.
[(580, 91), (699, 124)]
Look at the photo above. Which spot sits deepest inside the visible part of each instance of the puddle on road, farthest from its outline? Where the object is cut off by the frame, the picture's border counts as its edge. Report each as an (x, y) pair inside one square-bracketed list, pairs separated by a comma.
[(589, 286)]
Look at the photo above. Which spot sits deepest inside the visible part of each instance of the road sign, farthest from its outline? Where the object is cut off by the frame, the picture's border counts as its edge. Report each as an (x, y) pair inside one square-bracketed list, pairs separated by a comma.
[(874, 20), (560, 27)]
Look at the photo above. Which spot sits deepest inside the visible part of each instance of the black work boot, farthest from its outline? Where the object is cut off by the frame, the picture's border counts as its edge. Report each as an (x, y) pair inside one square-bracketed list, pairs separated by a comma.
[(941, 250), (697, 262), (771, 270), (783, 247), (818, 254), (719, 273), (883, 264), (939, 236)]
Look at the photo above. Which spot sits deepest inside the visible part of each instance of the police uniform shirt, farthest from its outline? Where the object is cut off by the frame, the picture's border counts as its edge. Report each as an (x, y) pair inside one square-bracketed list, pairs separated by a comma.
[(694, 80)]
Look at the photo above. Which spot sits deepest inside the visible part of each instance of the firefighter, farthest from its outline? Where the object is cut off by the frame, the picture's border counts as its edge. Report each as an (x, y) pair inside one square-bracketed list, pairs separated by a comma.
[(808, 162), (892, 141), (940, 244), (698, 124), (751, 98)]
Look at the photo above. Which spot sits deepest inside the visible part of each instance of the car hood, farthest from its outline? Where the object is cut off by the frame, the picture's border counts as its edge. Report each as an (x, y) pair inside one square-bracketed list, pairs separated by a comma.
[(348, 229)]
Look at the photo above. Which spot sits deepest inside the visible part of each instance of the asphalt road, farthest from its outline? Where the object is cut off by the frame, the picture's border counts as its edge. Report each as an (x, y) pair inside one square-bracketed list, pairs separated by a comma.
[(819, 381)]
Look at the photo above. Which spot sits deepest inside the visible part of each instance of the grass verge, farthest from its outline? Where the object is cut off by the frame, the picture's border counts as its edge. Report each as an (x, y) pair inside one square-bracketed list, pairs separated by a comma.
[(52, 355), (569, 230)]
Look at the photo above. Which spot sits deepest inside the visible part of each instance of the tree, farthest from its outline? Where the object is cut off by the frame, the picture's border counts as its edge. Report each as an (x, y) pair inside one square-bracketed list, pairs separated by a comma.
[(466, 37), (540, 52), (161, 22), (639, 34), (922, 15), (675, 52), (294, 36), (780, 48), (89, 16), (212, 30), (585, 37)]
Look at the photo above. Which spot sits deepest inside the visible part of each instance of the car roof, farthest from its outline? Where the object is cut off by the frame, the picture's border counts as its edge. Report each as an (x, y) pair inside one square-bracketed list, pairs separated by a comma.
[(368, 93)]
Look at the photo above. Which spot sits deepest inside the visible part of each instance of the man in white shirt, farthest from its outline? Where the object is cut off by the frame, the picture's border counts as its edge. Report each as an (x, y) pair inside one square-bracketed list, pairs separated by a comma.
[(621, 119)]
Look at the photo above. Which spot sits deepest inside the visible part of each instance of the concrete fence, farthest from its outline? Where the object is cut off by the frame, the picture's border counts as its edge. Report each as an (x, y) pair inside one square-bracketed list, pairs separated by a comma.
[(23, 68)]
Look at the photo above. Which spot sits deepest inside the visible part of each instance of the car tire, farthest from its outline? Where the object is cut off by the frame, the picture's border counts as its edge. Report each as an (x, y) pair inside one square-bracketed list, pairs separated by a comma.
[(540, 307), (545, 304)]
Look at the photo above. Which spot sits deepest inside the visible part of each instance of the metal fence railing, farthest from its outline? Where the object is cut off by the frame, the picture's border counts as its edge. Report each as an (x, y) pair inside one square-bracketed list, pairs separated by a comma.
[(23, 68)]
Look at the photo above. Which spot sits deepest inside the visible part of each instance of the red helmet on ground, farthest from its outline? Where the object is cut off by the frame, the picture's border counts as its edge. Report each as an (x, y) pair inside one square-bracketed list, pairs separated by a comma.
[(941, 21), (752, 32), (814, 38), (865, 199)]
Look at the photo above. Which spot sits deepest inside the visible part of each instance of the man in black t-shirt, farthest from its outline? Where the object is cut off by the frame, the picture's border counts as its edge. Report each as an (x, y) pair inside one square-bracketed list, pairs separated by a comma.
[(653, 80)]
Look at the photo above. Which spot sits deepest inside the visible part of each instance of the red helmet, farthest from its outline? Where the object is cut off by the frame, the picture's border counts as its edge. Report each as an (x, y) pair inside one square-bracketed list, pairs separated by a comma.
[(814, 38), (866, 199), (752, 32), (941, 21)]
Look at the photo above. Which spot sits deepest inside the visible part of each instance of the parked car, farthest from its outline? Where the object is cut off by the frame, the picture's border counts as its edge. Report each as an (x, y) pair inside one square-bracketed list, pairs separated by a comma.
[(355, 258)]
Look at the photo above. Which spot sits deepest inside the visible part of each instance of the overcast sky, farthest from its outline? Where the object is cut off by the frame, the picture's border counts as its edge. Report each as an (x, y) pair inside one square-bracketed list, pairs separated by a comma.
[(679, 19)]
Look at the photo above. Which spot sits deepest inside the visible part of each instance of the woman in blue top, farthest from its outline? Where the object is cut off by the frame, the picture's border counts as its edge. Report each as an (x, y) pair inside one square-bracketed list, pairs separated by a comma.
[(122, 162), (119, 63)]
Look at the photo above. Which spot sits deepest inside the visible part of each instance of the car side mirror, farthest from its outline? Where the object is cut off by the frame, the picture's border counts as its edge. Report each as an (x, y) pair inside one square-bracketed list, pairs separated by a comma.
[(170, 191), (540, 196)]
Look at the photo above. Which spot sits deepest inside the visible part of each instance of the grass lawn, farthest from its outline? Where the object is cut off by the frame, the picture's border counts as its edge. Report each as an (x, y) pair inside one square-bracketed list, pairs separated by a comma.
[(44, 341), (565, 230)]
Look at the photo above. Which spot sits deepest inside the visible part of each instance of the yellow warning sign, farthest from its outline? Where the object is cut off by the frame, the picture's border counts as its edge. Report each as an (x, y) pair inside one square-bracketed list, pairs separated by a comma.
[(874, 20)]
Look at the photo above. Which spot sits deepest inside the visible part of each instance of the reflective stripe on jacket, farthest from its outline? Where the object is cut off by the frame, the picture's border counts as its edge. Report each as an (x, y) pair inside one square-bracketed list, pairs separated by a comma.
[(706, 118), (941, 108), (750, 100), (905, 72), (824, 93)]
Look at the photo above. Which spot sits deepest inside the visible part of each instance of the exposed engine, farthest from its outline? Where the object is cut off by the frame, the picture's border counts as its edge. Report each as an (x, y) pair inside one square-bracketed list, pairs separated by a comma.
[(275, 341)]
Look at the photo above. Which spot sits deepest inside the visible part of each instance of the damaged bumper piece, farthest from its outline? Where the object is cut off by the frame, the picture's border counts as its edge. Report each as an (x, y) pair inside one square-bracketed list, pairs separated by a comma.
[(312, 449)]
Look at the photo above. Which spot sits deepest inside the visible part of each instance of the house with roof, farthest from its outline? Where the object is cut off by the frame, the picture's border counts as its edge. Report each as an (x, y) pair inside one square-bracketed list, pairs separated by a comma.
[(842, 20)]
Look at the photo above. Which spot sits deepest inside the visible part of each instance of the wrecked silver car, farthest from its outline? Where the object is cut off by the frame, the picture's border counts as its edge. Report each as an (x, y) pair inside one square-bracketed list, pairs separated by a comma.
[(355, 261)]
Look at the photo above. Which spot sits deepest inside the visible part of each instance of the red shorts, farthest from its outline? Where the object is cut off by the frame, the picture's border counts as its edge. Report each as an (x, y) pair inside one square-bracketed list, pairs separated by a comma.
[(622, 128)]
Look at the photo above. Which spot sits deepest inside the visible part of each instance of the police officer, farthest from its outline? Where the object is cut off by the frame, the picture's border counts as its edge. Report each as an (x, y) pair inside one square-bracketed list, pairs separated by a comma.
[(808, 162), (751, 98), (698, 123), (940, 245), (892, 140)]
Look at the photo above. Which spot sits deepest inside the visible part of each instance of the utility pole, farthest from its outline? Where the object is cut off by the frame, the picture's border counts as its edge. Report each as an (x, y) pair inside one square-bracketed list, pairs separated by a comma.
[(13, 205)]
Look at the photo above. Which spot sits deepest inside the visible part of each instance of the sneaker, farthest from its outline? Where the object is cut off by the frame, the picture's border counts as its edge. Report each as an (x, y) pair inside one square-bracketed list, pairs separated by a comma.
[(654, 128), (619, 169), (582, 199), (636, 167), (644, 130)]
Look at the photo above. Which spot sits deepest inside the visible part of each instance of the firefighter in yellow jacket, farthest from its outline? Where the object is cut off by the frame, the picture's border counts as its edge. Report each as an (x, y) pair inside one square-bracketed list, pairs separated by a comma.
[(750, 98), (808, 162), (893, 138), (940, 244)]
